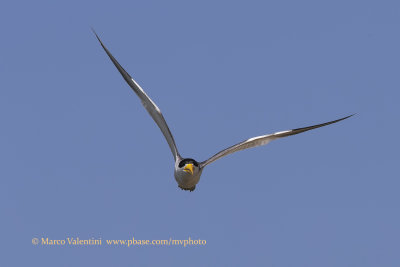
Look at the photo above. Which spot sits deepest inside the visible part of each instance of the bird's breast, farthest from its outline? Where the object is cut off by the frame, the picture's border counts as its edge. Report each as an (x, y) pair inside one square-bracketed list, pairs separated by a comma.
[(186, 180)]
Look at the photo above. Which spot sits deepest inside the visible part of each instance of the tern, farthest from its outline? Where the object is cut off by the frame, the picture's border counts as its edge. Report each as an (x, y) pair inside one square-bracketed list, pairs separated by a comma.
[(187, 170)]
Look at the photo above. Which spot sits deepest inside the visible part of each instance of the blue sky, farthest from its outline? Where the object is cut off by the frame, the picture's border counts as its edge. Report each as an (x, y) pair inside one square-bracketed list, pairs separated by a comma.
[(82, 158)]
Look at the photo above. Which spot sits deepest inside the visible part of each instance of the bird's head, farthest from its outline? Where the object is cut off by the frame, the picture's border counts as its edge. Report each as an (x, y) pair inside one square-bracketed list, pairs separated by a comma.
[(189, 166)]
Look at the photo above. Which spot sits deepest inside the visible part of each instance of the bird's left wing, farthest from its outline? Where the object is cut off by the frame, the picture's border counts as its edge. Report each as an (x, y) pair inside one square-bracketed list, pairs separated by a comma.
[(263, 140), (150, 106)]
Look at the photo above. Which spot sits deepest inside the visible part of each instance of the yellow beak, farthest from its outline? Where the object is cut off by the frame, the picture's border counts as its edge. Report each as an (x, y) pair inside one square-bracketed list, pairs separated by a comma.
[(189, 168)]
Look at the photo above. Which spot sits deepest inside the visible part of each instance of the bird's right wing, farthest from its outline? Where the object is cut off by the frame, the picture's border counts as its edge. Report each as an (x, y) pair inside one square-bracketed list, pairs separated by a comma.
[(263, 140), (150, 106)]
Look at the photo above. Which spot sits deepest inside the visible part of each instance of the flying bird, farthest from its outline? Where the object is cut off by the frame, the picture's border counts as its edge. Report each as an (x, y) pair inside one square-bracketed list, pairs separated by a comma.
[(187, 170)]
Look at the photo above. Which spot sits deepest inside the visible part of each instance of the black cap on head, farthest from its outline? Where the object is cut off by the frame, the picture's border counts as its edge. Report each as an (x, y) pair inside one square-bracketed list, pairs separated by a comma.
[(186, 161)]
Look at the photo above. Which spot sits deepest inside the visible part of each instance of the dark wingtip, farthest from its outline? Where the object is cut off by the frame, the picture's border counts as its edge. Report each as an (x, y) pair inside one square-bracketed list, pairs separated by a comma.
[(349, 116), (98, 38), (342, 118)]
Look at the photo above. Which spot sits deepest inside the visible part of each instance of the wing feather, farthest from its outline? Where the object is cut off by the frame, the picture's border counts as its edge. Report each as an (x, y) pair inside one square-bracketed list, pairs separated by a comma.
[(263, 140), (149, 105)]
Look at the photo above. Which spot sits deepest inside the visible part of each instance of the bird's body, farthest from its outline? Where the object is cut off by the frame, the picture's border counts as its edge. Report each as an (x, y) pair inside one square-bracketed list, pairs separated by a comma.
[(187, 171)]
